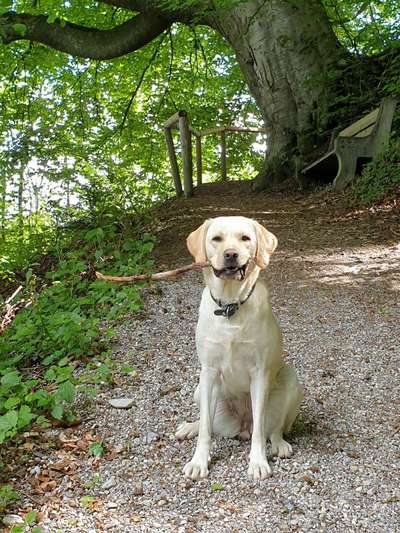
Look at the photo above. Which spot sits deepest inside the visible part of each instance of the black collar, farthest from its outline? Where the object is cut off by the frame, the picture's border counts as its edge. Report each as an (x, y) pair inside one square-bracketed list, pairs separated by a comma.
[(227, 310)]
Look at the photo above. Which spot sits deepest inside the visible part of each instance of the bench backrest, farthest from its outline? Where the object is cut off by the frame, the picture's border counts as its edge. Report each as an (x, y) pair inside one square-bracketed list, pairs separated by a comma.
[(363, 127), (377, 123)]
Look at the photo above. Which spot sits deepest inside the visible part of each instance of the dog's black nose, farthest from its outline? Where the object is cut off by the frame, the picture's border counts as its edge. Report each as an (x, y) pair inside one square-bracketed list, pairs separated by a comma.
[(230, 257)]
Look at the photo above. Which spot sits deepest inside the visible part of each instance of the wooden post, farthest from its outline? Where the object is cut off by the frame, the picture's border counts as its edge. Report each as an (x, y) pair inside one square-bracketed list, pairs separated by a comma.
[(187, 162), (223, 155), (199, 161), (174, 164)]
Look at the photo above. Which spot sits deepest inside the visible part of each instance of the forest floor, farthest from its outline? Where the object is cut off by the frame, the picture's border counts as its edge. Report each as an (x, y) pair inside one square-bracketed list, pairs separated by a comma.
[(334, 284)]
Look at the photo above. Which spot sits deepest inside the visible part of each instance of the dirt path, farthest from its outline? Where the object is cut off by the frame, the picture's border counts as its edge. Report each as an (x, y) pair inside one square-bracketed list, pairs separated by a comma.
[(334, 284)]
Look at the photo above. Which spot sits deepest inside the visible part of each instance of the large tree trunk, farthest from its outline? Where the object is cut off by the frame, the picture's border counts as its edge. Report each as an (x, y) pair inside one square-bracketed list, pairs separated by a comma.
[(285, 49)]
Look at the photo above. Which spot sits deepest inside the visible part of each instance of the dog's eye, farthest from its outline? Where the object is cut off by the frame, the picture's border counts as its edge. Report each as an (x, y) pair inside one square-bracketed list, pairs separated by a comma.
[(217, 238), (246, 238)]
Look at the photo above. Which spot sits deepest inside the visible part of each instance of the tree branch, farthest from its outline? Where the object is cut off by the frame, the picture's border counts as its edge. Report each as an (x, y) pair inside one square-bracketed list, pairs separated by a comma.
[(185, 13), (82, 41), (136, 90)]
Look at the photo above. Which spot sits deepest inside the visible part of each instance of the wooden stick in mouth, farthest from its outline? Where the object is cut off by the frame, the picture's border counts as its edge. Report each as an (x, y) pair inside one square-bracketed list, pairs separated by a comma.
[(153, 277)]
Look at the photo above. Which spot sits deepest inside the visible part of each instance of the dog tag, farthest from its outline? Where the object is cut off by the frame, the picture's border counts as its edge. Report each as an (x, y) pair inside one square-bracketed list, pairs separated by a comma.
[(227, 310)]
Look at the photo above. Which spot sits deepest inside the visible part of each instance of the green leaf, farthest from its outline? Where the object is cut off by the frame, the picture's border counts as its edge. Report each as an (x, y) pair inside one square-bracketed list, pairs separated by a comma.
[(8, 421), (86, 501), (5, 5), (18, 529), (20, 28), (97, 449), (42, 421), (57, 411), (11, 402), (11, 379), (126, 368), (25, 416), (217, 486), (66, 391), (31, 517)]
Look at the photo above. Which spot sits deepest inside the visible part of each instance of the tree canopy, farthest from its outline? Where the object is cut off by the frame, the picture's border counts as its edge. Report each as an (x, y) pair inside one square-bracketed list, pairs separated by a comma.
[(92, 128)]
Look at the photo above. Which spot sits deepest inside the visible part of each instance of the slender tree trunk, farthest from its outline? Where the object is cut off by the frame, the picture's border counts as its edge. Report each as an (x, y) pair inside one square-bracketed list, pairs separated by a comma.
[(3, 208), (21, 186), (68, 193), (285, 49)]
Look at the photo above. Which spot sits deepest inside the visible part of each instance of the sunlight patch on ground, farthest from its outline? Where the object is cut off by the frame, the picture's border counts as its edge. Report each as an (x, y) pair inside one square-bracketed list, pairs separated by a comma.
[(373, 264)]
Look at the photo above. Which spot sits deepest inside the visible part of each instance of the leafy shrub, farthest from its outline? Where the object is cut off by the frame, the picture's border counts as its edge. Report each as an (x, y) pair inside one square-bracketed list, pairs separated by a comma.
[(66, 322), (381, 178), (26, 245), (7, 495)]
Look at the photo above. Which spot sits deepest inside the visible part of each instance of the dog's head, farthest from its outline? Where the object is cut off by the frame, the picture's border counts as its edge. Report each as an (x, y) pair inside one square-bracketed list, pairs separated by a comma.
[(230, 244)]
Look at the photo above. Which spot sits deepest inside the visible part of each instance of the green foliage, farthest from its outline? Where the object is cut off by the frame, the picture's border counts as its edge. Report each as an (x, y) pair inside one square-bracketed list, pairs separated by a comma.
[(217, 487), (365, 28), (97, 449), (7, 496), (380, 179), (29, 519), (63, 324), (87, 501)]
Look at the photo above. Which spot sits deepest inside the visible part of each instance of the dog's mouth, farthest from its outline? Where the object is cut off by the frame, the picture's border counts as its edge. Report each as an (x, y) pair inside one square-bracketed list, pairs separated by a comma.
[(232, 272)]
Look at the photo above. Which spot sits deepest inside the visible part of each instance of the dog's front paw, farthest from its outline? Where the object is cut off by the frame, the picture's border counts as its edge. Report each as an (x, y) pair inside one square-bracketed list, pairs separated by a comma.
[(196, 469), (259, 469), (187, 430)]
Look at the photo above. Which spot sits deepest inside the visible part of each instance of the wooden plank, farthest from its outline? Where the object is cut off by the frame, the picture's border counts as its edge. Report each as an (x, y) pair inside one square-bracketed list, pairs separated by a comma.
[(244, 130), (315, 163), (358, 128), (187, 163), (171, 122), (367, 132), (174, 164), (211, 130), (232, 129)]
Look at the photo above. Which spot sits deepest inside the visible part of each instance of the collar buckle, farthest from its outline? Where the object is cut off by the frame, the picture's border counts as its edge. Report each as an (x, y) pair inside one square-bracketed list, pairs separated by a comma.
[(228, 310)]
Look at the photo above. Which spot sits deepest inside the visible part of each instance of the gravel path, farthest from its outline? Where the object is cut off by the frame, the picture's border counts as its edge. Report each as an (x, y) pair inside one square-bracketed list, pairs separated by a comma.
[(334, 287)]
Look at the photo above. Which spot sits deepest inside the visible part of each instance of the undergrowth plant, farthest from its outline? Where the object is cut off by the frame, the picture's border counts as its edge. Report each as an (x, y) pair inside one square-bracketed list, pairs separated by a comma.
[(66, 322), (380, 179)]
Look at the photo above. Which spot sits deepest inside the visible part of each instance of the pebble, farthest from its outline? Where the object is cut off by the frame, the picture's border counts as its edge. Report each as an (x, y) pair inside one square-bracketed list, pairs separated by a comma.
[(137, 488), (151, 437), (111, 505), (10, 520), (121, 403), (109, 483)]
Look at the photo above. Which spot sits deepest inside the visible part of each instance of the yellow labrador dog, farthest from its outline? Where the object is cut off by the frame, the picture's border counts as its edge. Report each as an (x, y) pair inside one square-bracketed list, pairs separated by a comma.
[(245, 387)]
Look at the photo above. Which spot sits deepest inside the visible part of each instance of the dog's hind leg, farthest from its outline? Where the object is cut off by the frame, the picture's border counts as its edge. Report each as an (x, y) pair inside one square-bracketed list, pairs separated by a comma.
[(188, 430), (283, 407)]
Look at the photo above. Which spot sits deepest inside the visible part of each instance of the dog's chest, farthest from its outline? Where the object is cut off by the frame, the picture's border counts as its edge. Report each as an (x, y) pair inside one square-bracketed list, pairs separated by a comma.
[(229, 346)]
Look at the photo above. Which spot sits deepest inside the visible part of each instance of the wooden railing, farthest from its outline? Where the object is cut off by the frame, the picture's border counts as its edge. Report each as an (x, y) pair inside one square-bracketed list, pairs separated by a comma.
[(180, 121)]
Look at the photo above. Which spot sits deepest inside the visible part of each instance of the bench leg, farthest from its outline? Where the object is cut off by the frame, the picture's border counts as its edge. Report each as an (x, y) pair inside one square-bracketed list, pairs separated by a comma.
[(346, 172)]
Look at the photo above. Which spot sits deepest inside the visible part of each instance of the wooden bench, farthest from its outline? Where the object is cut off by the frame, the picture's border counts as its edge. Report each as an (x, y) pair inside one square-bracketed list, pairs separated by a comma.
[(354, 145)]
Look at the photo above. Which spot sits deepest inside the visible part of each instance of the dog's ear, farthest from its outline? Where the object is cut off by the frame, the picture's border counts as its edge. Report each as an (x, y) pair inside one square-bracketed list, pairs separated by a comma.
[(266, 244), (196, 242)]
